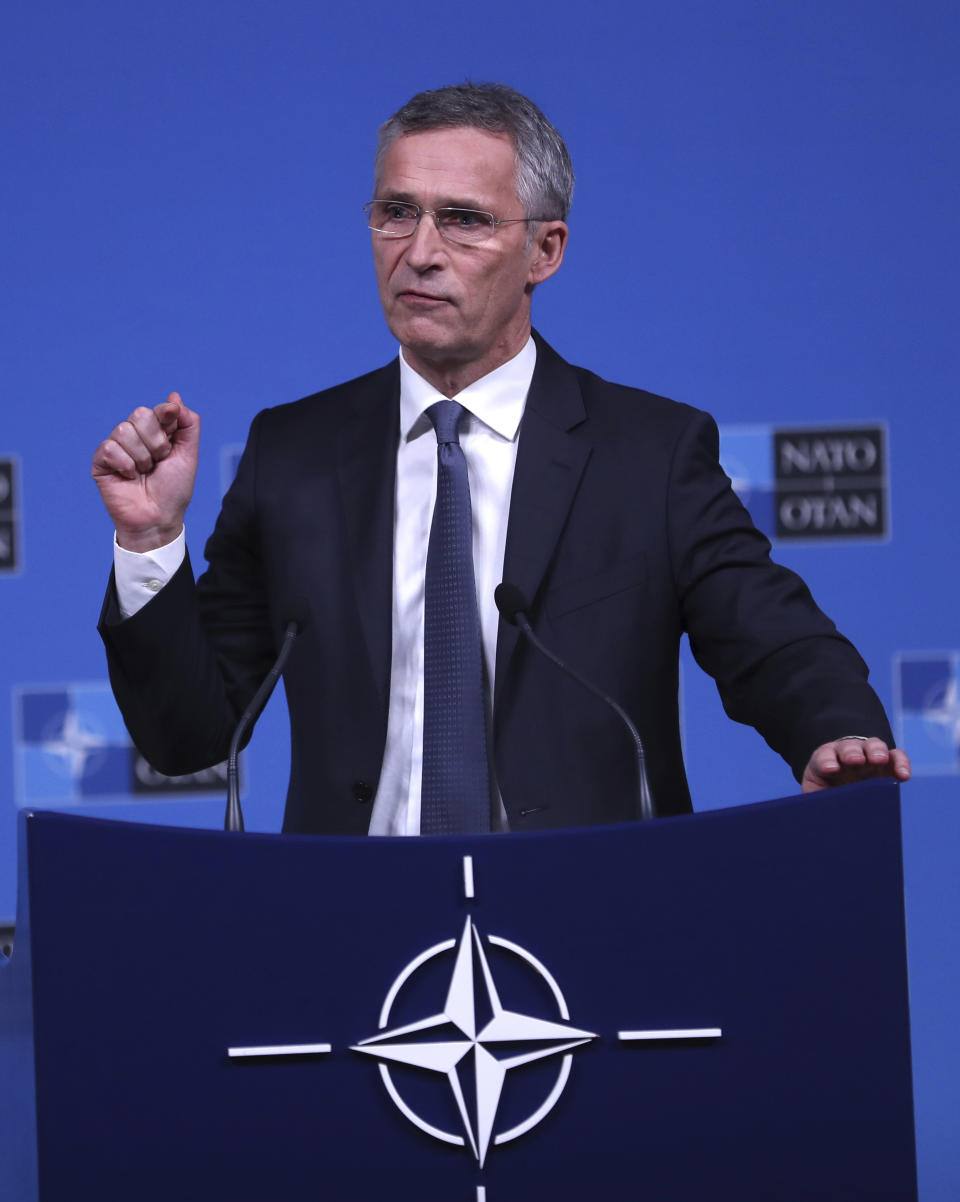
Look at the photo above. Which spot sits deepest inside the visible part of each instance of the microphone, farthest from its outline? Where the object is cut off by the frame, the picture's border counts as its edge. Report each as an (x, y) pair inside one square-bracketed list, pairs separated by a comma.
[(512, 605), (233, 817)]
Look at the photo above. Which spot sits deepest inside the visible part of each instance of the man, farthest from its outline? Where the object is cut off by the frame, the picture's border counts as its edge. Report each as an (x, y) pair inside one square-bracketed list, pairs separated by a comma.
[(605, 505)]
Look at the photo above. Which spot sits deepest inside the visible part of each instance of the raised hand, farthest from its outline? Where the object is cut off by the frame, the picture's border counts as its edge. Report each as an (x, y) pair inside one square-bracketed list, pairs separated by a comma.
[(145, 472)]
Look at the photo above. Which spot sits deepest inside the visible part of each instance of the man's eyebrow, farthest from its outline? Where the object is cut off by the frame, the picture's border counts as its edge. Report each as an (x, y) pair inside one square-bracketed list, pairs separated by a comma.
[(404, 197), (447, 203), (462, 202)]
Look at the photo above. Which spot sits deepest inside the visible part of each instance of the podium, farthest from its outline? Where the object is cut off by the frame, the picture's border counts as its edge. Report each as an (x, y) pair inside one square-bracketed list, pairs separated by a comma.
[(705, 1007)]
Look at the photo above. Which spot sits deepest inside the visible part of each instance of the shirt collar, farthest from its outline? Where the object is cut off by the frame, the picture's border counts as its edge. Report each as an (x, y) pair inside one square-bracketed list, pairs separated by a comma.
[(496, 399)]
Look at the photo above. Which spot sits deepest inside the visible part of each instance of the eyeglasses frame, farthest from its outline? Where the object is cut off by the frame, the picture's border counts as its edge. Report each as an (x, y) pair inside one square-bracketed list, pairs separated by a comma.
[(435, 214)]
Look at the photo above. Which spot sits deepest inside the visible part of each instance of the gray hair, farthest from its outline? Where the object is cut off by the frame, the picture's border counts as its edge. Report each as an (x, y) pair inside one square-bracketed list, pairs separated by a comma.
[(544, 173)]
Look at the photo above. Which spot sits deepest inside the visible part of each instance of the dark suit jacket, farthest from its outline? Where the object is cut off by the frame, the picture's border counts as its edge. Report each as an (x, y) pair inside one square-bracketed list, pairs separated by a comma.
[(623, 533)]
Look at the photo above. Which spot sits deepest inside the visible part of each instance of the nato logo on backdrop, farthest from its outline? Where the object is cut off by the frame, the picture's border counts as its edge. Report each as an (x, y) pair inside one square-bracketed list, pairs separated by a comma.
[(9, 515), (71, 747), (927, 700), (823, 483)]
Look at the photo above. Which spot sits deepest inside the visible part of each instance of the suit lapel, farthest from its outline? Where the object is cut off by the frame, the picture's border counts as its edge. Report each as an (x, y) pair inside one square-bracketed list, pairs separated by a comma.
[(367, 466), (550, 463)]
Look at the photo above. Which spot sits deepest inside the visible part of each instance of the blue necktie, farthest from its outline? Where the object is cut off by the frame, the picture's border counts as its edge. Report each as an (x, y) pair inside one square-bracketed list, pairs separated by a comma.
[(455, 787)]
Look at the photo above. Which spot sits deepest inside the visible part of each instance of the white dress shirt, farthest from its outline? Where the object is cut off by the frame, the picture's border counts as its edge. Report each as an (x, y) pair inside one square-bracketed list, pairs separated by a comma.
[(488, 434)]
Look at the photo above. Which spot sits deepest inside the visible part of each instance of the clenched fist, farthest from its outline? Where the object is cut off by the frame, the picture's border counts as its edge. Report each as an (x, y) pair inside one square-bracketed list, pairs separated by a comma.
[(145, 472)]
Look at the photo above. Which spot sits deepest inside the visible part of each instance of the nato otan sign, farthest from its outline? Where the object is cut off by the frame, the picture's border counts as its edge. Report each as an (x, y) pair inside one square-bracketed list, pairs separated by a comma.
[(9, 516), (811, 483)]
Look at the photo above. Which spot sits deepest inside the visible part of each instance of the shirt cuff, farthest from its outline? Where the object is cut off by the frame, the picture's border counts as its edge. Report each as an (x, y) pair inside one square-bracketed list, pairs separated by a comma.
[(140, 576)]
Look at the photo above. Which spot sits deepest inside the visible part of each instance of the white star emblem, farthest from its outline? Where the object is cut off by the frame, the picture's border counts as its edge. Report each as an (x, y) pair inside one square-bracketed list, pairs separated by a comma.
[(471, 1037), (74, 744), (942, 713), (467, 1035)]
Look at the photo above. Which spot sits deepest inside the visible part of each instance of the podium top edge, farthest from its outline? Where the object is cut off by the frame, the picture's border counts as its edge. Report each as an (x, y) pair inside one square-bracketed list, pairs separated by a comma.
[(881, 789)]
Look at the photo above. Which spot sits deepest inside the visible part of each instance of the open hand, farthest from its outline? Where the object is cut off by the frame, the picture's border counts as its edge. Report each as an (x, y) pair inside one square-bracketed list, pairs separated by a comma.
[(847, 760)]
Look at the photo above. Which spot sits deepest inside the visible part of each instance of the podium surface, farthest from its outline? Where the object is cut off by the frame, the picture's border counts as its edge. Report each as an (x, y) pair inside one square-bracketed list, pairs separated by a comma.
[(712, 1006)]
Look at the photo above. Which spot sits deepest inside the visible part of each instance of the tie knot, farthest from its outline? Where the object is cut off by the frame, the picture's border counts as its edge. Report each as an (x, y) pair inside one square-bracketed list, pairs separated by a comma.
[(445, 416)]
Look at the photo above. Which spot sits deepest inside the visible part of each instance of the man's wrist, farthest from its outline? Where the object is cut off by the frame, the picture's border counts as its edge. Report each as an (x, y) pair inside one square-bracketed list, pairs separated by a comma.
[(142, 541)]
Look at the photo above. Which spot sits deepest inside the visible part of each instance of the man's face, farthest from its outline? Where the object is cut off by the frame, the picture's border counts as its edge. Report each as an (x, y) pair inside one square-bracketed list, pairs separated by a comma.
[(458, 311)]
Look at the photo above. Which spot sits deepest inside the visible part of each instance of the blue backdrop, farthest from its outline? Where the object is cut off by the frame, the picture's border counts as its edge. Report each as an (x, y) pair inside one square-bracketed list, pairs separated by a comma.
[(764, 225)]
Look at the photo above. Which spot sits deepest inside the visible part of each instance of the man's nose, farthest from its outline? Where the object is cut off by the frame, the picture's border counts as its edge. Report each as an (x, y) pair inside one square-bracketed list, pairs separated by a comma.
[(425, 246)]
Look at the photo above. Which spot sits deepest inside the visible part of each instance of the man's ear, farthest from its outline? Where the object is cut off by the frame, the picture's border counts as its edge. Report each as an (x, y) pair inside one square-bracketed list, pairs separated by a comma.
[(549, 243)]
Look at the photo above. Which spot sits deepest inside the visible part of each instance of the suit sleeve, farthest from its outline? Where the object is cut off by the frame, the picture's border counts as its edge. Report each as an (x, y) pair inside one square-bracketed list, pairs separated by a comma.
[(185, 666), (779, 663)]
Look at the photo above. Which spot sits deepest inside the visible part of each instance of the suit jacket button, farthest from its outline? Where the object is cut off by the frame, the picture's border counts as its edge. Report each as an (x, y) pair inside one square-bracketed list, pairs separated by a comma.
[(362, 791)]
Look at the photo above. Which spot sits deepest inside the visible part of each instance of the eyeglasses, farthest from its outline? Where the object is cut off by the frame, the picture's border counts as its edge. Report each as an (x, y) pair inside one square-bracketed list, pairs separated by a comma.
[(468, 227)]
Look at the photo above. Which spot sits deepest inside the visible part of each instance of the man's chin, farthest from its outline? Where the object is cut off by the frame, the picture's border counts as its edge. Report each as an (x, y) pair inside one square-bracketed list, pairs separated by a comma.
[(430, 341)]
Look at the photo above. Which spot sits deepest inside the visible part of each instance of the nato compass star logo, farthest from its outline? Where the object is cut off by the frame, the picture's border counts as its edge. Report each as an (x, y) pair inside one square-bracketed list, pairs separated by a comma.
[(71, 745), (474, 1027), (927, 704), (473, 1043)]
